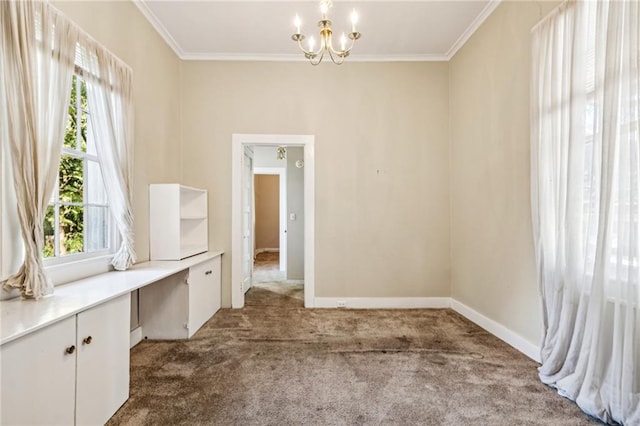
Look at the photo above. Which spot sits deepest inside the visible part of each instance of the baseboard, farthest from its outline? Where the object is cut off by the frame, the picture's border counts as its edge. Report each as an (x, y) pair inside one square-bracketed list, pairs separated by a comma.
[(269, 250), (500, 331), (381, 302), (135, 337)]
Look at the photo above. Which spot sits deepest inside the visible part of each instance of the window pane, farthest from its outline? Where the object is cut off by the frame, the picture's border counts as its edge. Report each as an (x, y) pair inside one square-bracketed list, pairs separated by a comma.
[(97, 231), (49, 227), (90, 140), (70, 133), (95, 186), (84, 119), (71, 229), (71, 181)]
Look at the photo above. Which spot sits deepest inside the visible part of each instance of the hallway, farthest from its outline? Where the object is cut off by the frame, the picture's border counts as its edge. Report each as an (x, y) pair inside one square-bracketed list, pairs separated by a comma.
[(267, 276)]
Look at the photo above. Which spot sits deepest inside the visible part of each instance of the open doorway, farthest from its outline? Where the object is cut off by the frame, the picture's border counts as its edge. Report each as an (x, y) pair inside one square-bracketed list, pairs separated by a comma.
[(278, 205), (272, 175)]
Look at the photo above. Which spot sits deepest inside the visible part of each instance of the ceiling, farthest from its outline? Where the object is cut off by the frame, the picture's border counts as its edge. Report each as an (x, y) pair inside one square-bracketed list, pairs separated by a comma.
[(416, 30)]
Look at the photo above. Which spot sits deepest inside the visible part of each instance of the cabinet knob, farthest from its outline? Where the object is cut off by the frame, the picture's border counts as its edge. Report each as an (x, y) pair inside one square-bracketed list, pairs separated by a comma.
[(208, 273), (71, 349), (87, 340)]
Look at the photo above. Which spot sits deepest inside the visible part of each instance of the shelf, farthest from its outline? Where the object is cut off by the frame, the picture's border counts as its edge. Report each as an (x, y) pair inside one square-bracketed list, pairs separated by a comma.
[(178, 221), (191, 250)]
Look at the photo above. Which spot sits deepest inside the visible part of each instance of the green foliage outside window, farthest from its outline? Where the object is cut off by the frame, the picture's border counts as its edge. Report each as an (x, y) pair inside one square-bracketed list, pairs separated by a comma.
[(70, 182)]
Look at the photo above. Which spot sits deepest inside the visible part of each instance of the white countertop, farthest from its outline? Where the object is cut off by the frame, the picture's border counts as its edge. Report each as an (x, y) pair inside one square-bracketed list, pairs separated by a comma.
[(19, 317)]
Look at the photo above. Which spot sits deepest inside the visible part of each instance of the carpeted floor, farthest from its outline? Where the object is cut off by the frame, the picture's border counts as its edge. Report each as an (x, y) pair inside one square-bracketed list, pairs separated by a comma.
[(267, 275), (274, 362)]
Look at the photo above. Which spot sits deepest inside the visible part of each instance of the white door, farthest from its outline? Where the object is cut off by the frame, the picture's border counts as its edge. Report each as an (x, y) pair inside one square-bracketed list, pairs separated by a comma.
[(37, 376), (247, 219), (103, 361)]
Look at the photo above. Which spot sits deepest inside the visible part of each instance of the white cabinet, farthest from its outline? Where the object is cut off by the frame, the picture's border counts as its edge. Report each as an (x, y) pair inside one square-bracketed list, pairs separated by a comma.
[(178, 221), (177, 306), (102, 382), (37, 377), (73, 371)]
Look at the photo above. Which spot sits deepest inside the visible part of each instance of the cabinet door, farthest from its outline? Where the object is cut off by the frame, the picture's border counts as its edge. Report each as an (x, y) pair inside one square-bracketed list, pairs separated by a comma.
[(37, 377), (204, 293), (103, 361)]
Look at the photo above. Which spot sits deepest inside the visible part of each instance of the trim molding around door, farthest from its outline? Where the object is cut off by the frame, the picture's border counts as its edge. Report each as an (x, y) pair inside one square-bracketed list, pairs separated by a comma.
[(238, 142)]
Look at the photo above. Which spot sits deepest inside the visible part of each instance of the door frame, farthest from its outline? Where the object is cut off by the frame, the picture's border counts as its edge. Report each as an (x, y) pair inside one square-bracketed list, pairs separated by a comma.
[(247, 152), (238, 142), (281, 172)]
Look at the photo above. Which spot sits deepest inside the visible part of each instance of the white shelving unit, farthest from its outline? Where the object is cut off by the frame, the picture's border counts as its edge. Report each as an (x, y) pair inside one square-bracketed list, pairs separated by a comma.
[(178, 221)]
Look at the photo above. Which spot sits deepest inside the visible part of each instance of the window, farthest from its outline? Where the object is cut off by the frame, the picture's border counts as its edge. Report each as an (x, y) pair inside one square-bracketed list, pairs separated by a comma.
[(77, 222)]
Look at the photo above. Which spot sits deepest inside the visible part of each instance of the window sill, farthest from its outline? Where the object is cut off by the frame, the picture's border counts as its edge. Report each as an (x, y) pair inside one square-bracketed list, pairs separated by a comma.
[(76, 270), (67, 272)]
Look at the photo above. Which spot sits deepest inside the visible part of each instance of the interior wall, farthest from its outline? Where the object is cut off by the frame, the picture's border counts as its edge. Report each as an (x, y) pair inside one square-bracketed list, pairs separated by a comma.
[(267, 202), (381, 161), (267, 156), (493, 261), (295, 214), (125, 31)]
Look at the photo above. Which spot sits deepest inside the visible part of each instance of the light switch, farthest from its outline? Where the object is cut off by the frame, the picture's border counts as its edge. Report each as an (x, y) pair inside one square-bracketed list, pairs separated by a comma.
[(292, 216)]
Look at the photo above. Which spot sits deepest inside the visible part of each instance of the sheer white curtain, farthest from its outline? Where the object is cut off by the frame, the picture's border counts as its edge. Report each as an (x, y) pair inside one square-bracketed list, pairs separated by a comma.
[(585, 192), (37, 49), (110, 98)]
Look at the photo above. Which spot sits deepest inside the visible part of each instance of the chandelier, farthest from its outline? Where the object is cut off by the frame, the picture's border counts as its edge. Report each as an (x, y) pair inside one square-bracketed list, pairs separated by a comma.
[(326, 45)]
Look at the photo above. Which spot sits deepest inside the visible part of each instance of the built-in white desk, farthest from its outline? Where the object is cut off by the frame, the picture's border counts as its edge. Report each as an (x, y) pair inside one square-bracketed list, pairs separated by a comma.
[(65, 357)]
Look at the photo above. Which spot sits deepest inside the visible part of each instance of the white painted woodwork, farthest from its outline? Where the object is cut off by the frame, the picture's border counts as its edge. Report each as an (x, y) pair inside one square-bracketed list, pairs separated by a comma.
[(37, 377), (40, 383), (178, 224), (238, 142), (44, 384), (415, 30), (247, 219), (204, 293), (21, 317), (177, 306), (102, 382)]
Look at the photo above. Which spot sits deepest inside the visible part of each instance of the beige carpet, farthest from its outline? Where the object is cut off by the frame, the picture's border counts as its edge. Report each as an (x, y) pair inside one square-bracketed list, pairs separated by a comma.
[(267, 275), (276, 363)]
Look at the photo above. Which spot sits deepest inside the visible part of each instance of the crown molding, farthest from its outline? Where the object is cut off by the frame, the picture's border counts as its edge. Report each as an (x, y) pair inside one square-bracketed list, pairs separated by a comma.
[(188, 56), (160, 29), (194, 56), (472, 28)]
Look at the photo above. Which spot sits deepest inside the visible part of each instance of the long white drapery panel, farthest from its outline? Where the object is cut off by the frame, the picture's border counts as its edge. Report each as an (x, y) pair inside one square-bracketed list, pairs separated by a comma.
[(37, 50), (110, 98), (585, 192)]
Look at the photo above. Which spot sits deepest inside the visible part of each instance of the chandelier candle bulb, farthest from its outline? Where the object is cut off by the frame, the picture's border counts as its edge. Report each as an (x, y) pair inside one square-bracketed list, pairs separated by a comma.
[(326, 43), (324, 8), (354, 20)]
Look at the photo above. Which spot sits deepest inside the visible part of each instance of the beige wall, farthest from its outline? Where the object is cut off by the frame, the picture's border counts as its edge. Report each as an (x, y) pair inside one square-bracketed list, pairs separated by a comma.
[(267, 199), (381, 151), (156, 73), (493, 263)]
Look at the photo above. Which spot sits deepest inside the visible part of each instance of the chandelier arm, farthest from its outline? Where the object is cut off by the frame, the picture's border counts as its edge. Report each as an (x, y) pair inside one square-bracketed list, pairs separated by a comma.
[(319, 59), (308, 53), (341, 53), (331, 53), (326, 39)]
